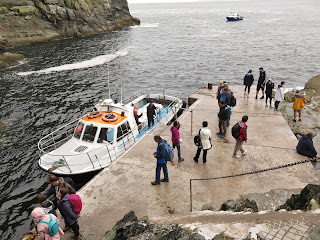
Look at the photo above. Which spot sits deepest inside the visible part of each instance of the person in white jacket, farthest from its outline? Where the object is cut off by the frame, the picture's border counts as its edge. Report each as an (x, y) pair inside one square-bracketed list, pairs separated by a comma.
[(205, 136), (279, 96)]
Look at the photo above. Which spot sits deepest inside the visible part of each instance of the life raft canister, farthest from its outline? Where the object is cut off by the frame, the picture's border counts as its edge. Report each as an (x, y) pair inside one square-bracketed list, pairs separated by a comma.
[(94, 114), (110, 117)]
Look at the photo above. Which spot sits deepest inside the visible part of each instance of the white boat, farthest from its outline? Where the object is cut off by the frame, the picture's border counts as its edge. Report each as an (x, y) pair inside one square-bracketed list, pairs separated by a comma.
[(98, 138), (234, 17)]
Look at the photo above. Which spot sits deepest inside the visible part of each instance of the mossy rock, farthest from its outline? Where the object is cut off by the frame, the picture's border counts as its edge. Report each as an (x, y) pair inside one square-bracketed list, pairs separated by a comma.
[(3, 10), (69, 3), (61, 3), (11, 57), (144, 219), (207, 207), (24, 10), (110, 235)]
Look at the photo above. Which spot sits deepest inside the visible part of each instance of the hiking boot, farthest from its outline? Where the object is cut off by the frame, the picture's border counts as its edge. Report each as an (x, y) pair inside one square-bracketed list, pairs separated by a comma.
[(236, 156), (181, 159), (155, 183), (262, 97), (294, 120), (164, 180), (244, 152)]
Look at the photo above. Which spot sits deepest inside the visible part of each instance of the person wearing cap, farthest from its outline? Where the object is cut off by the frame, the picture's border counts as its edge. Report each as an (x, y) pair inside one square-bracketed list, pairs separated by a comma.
[(269, 89), (279, 96), (298, 104), (261, 82)]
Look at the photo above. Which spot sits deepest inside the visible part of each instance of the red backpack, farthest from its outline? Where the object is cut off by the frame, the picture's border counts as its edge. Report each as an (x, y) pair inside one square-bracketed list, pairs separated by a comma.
[(76, 203)]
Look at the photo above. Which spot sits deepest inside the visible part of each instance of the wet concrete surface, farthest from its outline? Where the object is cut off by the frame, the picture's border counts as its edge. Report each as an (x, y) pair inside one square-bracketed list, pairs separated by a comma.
[(125, 184)]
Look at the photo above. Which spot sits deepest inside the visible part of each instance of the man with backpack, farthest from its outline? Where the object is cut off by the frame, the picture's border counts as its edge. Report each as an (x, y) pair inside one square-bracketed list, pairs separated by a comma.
[(160, 155), (239, 132), (223, 115)]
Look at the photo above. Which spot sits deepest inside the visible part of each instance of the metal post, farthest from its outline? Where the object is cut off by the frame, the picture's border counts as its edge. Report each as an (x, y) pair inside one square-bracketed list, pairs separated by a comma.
[(90, 160), (191, 121), (109, 154), (66, 163), (190, 195)]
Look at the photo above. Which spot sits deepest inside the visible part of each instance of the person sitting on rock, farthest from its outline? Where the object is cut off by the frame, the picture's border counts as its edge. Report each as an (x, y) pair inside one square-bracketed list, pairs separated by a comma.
[(305, 146)]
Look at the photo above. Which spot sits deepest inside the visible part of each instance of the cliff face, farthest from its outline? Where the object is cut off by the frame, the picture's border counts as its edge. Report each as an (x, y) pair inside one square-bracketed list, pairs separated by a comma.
[(27, 21)]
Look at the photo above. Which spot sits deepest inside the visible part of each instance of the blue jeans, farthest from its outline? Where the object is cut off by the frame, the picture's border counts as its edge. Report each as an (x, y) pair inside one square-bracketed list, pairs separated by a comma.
[(178, 148), (165, 171)]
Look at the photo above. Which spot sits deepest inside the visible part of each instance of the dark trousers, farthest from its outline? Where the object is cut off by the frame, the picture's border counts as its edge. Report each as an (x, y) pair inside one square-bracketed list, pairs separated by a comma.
[(75, 229), (223, 126), (198, 154), (165, 171), (268, 96), (150, 121), (276, 104), (245, 89)]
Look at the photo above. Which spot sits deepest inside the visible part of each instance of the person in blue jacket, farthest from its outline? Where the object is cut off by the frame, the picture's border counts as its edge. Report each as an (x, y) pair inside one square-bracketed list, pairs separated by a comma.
[(69, 216), (161, 161), (305, 146)]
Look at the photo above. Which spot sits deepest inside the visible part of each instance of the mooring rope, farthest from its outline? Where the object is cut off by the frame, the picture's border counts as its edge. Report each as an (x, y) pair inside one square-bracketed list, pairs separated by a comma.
[(260, 171)]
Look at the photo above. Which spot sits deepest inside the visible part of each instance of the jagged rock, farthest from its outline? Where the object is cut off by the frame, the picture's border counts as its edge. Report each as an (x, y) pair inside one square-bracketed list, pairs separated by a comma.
[(222, 236), (127, 219), (240, 205), (314, 205), (207, 207), (24, 10), (3, 43), (302, 201)]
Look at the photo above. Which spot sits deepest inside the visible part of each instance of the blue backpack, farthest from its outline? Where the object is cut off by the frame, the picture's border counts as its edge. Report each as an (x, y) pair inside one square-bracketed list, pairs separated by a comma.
[(168, 152), (53, 226)]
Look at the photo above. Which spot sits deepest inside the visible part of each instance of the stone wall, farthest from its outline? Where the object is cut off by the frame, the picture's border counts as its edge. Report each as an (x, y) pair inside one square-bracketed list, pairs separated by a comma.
[(27, 21)]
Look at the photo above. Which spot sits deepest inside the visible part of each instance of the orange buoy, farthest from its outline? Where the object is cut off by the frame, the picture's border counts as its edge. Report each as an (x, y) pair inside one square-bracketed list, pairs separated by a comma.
[(94, 114), (110, 117)]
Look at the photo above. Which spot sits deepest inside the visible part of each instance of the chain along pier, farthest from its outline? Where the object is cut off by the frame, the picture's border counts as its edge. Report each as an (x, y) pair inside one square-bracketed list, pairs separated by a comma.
[(125, 184)]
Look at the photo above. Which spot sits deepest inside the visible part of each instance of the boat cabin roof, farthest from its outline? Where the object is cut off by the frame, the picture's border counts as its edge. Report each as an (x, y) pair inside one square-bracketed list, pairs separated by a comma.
[(101, 121)]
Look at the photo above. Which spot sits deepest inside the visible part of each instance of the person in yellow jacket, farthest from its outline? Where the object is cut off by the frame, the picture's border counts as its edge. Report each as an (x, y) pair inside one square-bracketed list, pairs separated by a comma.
[(298, 104)]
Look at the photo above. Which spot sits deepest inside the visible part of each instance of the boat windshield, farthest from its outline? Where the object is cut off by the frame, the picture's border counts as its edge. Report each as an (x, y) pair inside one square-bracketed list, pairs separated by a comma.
[(106, 134), (89, 133), (78, 130)]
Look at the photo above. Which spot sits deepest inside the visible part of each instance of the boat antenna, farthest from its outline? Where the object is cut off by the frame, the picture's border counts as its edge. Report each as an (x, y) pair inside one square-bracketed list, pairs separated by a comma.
[(109, 84), (120, 92)]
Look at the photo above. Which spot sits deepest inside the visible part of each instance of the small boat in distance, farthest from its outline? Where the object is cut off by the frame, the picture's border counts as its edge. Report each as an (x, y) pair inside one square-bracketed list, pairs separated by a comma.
[(94, 141), (234, 17)]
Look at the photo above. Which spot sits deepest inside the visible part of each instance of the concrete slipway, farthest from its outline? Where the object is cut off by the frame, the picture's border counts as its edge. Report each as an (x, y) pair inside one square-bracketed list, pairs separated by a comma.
[(125, 185)]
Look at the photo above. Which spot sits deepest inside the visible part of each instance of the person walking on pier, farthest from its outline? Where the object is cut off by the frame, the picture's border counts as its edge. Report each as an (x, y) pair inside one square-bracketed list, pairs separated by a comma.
[(205, 137), (161, 161), (261, 82), (220, 87), (248, 81), (279, 96), (241, 137), (223, 116), (305, 146), (226, 95), (298, 104), (269, 89), (151, 113), (176, 139)]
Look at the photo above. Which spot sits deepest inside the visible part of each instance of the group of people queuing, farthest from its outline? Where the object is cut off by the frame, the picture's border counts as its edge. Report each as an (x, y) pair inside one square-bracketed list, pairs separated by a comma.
[(266, 87), (61, 195)]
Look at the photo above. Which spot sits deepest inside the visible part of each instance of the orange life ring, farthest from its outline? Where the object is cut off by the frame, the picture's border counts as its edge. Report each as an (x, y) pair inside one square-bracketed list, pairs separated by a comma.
[(94, 114), (110, 117)]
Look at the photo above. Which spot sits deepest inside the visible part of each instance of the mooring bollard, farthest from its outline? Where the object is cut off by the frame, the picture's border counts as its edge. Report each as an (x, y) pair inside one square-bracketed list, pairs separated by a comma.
[(209, 85)]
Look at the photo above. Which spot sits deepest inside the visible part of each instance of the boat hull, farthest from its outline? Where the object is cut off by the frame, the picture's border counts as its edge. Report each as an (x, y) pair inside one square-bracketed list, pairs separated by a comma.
[(233, 19)]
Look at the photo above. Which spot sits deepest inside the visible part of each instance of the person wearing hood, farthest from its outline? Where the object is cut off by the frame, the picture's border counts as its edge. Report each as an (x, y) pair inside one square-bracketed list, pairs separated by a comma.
[(223, 116), (279, 96), (298, 104), (176, 138), (261, 82), (248, 81), (205, 137), (305, 146), (38, 215), (242, 138), (269, 89), (161, 161), (66, 208)]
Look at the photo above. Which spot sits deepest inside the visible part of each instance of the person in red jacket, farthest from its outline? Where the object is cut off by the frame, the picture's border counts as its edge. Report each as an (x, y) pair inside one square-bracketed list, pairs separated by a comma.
[(242, 137)]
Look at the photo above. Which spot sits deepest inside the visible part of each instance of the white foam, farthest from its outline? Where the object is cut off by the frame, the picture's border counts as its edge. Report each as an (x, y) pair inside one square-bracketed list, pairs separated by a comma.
[(99, 60), (146, 25)]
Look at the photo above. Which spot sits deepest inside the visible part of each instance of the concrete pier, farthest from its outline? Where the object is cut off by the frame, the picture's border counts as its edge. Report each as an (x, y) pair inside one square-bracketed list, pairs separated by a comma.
[(125, 184)]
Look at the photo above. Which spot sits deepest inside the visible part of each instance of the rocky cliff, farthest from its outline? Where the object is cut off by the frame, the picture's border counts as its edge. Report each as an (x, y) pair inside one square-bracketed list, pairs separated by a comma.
[(27, 21)]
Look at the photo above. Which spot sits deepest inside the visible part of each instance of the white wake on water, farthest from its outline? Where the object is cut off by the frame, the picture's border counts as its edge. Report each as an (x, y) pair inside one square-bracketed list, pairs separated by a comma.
[(99, 60), (146, 25)]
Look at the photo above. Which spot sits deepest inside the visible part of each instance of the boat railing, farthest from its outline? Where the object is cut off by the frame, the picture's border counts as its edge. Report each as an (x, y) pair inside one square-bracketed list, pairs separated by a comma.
[(142, 92)]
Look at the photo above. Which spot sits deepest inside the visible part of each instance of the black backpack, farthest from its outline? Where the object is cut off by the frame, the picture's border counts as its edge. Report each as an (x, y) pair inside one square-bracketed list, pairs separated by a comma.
[(197, 139), (235, 131), (233, 101)]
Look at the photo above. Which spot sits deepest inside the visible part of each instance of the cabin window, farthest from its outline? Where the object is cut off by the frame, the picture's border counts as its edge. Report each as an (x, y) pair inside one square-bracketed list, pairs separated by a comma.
[(89, 133), (78, 130), (106, 134), (123, 130)]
